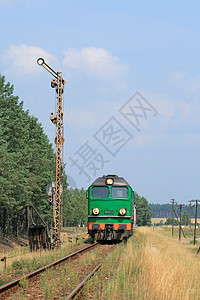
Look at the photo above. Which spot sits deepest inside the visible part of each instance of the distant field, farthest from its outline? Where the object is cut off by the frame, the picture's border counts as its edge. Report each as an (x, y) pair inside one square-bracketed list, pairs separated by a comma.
[(157, 220)]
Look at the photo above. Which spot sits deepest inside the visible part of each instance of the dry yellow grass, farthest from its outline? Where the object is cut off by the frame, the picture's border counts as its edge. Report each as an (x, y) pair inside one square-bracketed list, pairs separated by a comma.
[(157, 220), (170, 269), (152, 266)]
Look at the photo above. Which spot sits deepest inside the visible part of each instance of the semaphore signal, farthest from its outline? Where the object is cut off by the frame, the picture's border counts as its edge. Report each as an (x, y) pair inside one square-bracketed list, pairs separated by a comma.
[(57, 83)]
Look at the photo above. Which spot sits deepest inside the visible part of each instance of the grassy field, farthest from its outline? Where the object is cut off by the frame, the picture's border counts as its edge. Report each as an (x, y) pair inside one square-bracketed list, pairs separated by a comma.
[(152, 265), (157, 220), (21, 261)]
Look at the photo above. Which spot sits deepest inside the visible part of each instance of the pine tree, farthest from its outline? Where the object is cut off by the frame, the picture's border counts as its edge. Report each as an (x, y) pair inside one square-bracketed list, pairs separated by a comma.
[(27, 161)]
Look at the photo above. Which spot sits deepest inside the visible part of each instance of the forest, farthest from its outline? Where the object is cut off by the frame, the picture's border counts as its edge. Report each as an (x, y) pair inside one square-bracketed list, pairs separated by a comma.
[(165, 210), (27, 165)]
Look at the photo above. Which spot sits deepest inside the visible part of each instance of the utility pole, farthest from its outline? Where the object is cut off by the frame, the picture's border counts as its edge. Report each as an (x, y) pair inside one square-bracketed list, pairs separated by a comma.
[(172, 216), (57, 83), (179, 224), (195, 224), (190, 212), (180, 208)]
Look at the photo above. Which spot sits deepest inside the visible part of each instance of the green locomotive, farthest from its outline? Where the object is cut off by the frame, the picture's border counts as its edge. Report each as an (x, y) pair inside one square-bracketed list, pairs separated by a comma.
[(111, 209)]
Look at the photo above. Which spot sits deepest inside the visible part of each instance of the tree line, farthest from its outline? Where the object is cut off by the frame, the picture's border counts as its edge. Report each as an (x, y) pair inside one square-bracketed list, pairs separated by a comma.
[(165, 210), (185, 220), (27, 165), (27, 161)]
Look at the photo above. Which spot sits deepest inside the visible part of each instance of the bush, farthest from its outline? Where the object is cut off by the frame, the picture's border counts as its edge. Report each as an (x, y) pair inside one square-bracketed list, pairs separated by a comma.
[(169, 222), (18, 264)]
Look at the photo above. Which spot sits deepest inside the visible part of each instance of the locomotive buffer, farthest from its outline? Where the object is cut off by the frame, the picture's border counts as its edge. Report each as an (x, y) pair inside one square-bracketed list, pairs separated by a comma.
[(57, 83)]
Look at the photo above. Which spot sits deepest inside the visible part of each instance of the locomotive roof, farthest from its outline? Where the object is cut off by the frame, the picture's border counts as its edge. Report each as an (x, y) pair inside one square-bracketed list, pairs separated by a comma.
[(117, 180)]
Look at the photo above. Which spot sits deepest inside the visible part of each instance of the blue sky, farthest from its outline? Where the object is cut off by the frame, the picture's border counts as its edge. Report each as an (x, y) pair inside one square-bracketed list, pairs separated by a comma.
[(110, 51)]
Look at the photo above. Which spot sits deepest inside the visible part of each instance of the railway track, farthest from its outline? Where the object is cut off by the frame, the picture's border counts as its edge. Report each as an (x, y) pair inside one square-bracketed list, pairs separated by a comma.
[(79, 287), (7, 288)]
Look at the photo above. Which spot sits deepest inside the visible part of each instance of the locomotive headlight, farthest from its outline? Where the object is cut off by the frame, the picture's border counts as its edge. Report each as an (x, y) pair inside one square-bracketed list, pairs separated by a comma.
[(109, 181), (95, 211), (122, 211)]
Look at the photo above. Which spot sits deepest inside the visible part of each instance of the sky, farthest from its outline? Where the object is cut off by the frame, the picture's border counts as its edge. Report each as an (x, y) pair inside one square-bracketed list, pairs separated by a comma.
[(132, 98)]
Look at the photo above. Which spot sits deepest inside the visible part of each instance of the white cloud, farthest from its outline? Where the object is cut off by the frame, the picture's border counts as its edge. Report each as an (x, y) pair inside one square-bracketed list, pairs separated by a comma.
[(23, 58), (163, 103), (169, 107), (96, 62)]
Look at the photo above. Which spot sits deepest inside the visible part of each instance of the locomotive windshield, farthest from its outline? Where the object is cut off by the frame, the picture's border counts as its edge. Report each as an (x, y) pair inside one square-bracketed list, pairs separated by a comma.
[(100, 192), (119, 192)]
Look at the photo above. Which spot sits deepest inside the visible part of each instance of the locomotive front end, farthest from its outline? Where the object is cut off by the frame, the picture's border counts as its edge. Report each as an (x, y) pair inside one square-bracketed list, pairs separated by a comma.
[(110, 209)]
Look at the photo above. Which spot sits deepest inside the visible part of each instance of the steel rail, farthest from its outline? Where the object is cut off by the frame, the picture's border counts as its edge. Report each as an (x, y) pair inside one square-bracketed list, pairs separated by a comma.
[(16, 282), (77, 289)]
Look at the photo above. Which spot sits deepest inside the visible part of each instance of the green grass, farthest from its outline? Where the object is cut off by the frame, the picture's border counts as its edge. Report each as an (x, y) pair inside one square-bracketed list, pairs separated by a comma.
[(36, 260), (65, 278)]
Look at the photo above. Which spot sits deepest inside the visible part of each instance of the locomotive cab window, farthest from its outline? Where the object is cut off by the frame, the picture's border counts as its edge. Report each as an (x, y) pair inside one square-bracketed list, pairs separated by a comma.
[(119, 192), (100, 192)]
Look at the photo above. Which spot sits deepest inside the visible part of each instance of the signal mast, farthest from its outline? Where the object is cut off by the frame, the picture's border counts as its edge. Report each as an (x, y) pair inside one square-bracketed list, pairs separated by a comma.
[(57, 83)]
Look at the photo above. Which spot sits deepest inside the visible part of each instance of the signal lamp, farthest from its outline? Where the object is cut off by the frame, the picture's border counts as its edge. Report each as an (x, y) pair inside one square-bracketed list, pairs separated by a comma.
[(53, 83), (95, 211), (109, 181), (122, 211), (50, 200), (53, 118)]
